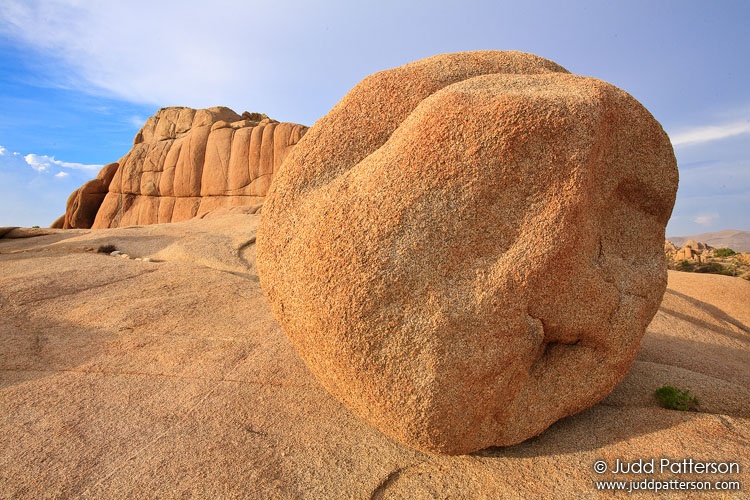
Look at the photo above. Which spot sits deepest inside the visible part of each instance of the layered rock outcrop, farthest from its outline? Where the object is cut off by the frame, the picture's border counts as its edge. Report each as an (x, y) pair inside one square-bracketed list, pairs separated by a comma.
[(83, 203), (669, 247), (469, 247), (690, 250), (185, 162)]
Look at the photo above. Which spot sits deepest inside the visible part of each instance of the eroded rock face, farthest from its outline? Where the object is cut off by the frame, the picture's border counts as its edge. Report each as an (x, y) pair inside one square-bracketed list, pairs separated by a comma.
[(185, 162), (83, 203), (469, 247)]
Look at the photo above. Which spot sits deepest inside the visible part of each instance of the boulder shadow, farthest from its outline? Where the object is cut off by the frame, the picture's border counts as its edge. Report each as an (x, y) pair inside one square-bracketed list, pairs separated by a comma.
[(716, 370), (595, 428), (712, 310)]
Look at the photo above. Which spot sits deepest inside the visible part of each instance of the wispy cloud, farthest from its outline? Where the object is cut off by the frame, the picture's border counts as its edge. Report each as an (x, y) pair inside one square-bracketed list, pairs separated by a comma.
[(698, 135), (136, 121), (110, 48), (706, 219), (43, 163), (33, 187)]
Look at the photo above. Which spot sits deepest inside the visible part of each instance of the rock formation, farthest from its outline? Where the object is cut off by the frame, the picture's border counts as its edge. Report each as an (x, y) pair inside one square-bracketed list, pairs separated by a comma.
[(469, 247), (687, 253), (690, 250), (185, 162), (737, 240), (698, 246), (700, 257), (83, 203)]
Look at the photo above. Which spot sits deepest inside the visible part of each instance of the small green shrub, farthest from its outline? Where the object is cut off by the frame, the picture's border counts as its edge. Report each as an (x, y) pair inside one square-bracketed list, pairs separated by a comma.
[(713, 268), (724, 252), (106, 248), (673, 398), (34, 227), (685, 265)]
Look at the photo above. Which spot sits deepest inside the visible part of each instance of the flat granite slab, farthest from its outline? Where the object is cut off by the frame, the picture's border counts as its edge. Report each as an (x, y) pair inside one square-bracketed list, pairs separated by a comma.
[(171, 378)]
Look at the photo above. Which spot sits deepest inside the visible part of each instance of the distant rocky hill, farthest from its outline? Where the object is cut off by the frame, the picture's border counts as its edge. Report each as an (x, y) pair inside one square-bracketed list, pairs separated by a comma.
[(737, 240), (700, 257), (184, 162)]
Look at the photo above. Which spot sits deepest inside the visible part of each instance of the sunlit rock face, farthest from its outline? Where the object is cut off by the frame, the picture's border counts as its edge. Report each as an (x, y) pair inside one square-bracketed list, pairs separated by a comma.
[(185, 162), (469, 247)]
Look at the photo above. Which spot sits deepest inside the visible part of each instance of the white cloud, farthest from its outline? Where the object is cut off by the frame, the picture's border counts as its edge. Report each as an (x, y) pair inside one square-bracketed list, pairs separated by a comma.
[(698, 135), (137, 121), (31, 196), (706, 219), (2, 151), (37, 162), (245, 55), (10, 162), (42, 163)]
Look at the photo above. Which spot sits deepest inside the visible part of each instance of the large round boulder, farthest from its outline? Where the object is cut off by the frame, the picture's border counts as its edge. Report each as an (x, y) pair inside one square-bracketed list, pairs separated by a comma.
[(467, 248)]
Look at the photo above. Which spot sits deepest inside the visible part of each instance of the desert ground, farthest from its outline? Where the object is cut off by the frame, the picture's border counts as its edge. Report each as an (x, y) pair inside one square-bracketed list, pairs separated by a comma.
[(171, 378)]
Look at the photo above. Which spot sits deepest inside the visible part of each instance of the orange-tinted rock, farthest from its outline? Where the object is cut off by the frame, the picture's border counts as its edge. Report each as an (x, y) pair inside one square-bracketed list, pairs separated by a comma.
[(691, 250), (59, 223), (698, 246), (183, 162), (83, 203), (469, 247), (686, 253)]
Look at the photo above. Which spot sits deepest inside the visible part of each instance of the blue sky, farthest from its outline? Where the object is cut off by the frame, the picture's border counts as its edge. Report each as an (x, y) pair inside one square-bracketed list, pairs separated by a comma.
[(79, 77)]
